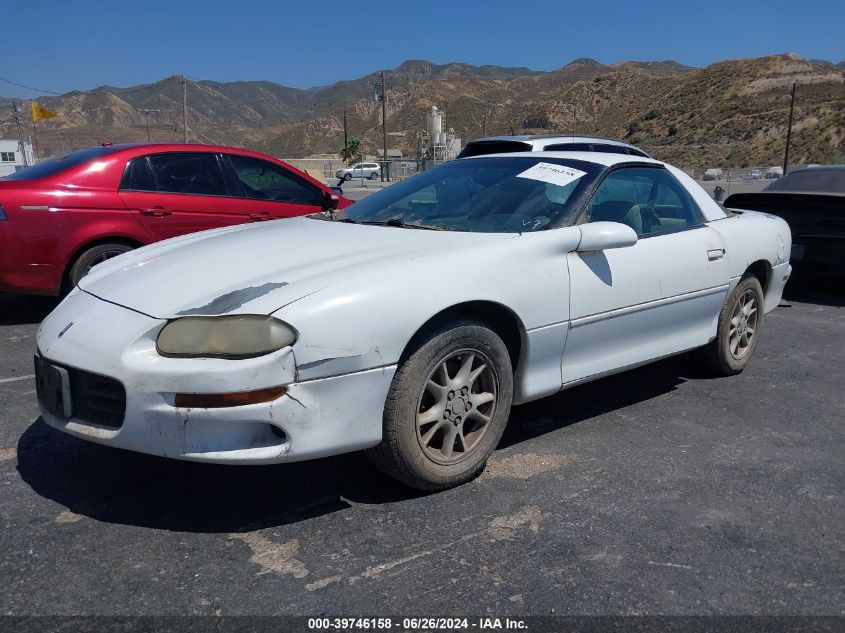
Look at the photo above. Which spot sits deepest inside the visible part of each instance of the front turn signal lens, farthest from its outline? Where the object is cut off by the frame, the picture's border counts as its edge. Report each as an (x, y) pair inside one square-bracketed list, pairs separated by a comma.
[(221, 400)]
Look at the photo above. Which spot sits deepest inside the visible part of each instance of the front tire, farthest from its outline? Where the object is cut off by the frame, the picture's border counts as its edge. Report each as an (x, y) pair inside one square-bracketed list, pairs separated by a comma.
[(447, 408), (91, 257), (740, 324)]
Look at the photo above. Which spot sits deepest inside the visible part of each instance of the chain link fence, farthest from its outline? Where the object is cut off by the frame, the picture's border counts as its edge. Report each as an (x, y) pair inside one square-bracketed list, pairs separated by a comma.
[(326, 169), (719, 182), (735, 174)]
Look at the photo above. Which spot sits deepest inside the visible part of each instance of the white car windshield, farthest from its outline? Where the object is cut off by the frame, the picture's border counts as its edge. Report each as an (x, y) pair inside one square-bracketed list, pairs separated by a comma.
[(487, 195)]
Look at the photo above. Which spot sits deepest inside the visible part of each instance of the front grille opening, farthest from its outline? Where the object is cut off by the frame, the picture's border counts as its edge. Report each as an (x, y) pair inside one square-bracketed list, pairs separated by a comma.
[(97, 399)]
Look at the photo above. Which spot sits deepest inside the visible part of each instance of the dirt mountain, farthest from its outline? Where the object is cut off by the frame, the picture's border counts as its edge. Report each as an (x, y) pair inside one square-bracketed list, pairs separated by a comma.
[(729, 113)]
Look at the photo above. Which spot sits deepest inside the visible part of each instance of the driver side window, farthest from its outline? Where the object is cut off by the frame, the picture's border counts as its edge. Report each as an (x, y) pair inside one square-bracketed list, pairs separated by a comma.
[(261, 180), (193, 173), (647, 199)]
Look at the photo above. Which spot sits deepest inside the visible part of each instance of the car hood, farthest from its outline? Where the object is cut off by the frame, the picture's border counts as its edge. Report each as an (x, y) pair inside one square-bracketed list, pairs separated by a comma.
[(259, 268)]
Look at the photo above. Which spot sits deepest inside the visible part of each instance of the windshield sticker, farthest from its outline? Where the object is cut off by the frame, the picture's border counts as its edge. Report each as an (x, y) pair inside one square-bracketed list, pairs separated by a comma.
[(555, 174)]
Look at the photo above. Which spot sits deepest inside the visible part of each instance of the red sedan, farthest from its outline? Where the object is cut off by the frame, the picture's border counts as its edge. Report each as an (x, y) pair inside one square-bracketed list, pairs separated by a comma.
[(64, 215)]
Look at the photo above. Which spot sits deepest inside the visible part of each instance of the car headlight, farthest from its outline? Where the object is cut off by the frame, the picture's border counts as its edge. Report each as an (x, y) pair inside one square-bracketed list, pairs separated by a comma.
[(236, 336)]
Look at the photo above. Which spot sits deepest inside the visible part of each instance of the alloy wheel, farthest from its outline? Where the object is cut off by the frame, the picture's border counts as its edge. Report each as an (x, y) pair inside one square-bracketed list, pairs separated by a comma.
[(743, 325), (456, 406)]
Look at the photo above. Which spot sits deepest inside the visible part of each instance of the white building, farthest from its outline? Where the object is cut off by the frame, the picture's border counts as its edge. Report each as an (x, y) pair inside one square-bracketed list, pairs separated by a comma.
[(12, 159)]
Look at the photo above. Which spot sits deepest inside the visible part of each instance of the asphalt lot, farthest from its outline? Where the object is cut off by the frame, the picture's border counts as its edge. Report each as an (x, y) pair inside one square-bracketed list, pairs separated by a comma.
[(734, 186), (354, 191), (657, 491)]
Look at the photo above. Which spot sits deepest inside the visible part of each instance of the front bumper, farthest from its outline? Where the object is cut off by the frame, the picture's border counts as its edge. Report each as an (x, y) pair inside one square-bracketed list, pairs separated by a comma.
[(315, 418)]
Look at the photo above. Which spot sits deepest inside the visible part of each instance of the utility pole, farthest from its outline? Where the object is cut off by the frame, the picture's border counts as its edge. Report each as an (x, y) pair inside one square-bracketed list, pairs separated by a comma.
[(184, 110), (484, 121), (146, 112), (34, 134), (386, 170), (345, 139), (789, 130), (17, 114)]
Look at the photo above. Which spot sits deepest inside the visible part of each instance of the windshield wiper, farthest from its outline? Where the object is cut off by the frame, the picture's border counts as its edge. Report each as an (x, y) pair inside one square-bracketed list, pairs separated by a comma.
[(330, 217), (399, 222)]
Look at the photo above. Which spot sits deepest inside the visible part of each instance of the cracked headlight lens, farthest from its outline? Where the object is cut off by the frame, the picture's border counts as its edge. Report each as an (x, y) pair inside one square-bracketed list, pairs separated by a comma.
[(235, 336)]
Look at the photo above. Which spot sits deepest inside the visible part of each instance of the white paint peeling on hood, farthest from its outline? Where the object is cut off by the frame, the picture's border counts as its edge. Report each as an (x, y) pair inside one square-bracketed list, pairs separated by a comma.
[(259, 268)]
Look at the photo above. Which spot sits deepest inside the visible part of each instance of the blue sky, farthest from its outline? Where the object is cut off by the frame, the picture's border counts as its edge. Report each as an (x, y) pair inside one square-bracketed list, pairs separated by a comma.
[(82, 44)]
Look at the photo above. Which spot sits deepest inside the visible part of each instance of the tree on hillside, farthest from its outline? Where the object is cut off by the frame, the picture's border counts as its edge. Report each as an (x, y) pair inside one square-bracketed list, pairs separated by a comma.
[(351, 153)]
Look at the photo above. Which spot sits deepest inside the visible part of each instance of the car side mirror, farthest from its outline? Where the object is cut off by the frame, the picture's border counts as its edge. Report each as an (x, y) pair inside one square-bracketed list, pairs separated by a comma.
[(600, 236), (330, 201)]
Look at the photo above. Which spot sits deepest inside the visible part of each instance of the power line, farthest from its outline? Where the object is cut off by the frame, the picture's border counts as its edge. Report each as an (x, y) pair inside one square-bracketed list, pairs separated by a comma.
[(52, 92), (113, 91), (146, 112)]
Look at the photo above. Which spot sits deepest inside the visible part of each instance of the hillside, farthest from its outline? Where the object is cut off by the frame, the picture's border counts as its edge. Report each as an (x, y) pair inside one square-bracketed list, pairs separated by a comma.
[(732, 112)]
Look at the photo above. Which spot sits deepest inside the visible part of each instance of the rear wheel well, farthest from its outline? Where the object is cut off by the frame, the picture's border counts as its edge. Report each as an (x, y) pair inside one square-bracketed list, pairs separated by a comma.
[(494, 315), (762, 270), (88, 245)]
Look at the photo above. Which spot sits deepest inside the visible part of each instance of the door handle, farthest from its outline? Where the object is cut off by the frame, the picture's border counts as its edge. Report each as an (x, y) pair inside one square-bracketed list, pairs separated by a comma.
[(156, 212), (716, 253), (260, 217)]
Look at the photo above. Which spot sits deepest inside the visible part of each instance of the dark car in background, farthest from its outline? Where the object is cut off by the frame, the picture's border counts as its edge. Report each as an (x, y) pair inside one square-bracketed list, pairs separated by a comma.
[(812, 201), (61, 217)]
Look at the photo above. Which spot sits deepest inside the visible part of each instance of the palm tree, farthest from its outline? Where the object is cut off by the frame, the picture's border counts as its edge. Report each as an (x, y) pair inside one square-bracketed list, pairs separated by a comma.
[(351, 153)]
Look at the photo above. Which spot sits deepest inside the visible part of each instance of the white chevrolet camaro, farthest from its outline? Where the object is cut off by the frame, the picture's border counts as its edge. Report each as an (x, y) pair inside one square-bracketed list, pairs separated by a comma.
[(409, 323)]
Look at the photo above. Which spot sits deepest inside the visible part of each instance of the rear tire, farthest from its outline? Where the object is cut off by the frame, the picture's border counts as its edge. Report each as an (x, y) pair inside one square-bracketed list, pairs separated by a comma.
[(740, 324), (91, 257), (447, 407), (373, 176)]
